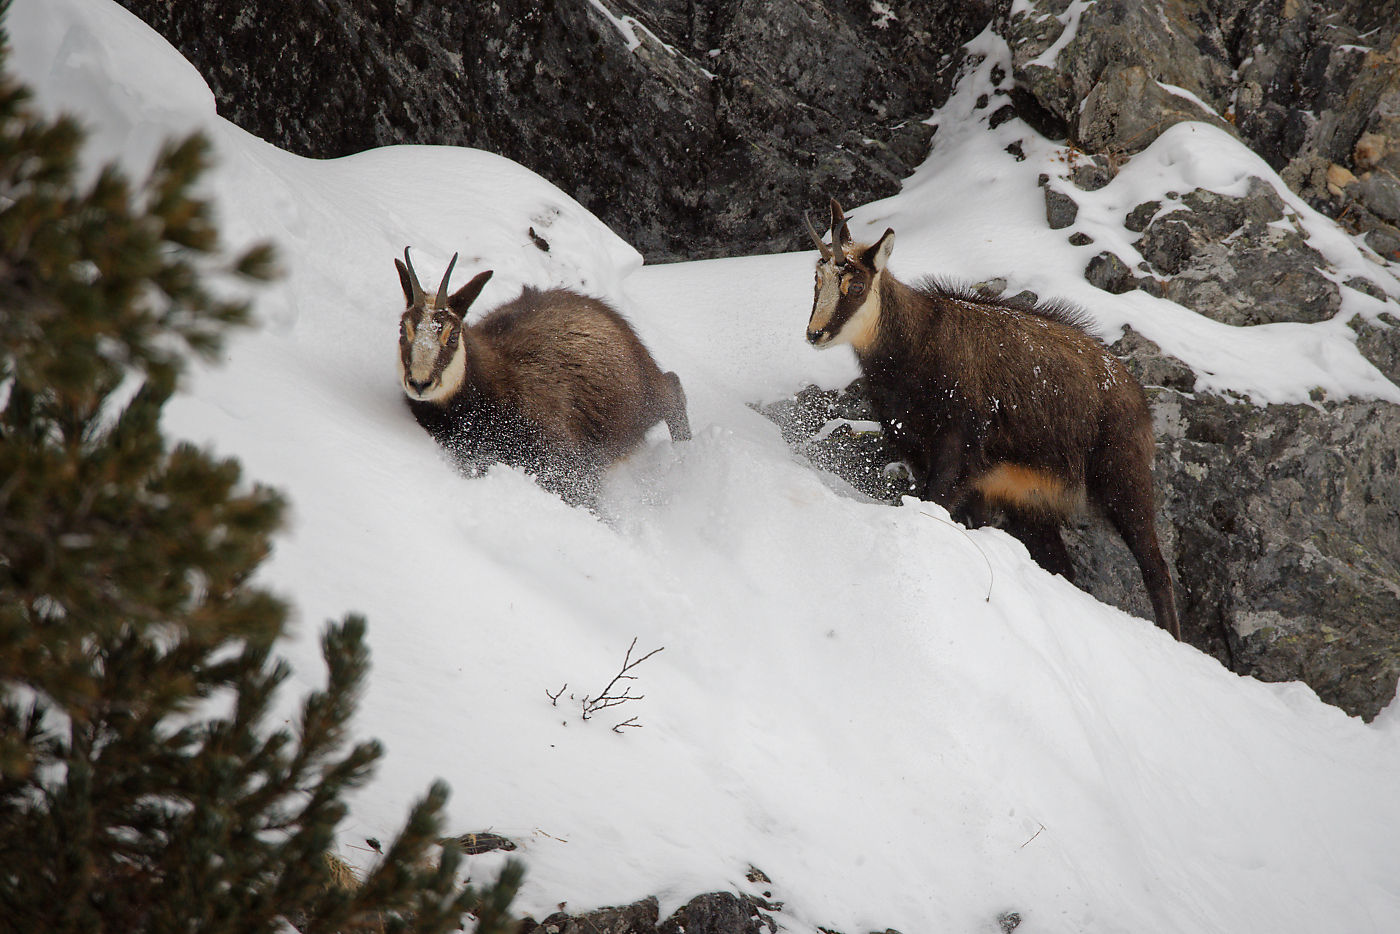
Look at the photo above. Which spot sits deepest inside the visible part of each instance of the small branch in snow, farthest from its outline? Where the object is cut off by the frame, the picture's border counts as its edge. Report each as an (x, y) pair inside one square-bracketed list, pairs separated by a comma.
[(606, 698), (1033, 836), (617, 692)]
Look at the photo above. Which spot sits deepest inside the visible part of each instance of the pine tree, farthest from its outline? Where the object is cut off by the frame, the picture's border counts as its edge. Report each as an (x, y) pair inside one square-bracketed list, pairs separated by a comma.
[(140, 786)]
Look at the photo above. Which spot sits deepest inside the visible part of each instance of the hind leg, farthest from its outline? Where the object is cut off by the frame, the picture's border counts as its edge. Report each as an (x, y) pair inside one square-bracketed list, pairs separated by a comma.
[(1041, 536), (1131, 511), (673, 408), (974, 512)]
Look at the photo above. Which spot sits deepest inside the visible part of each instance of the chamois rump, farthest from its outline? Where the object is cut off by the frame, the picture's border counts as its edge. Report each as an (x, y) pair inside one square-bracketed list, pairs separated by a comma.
[(996, 405), (554, 381)]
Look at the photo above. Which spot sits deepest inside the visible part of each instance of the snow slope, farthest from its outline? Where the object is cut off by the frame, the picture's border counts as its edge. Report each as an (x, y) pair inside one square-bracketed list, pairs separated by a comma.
[(902, 723)]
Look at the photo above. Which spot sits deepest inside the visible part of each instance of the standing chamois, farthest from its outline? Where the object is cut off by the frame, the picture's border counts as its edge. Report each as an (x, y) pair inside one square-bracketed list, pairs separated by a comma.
[(996, 405), (554, 381)]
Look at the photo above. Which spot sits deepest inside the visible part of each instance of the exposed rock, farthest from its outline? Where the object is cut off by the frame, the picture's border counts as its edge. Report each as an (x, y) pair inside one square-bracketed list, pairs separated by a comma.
[(699, 130), (1127, 109), (1380, 343), (1385, 240), (837, 432), (1312, 87), (1339, 179), (718, 913), (1282, 523), (1229, 259), (1060, 209), (1152, 367), (1091, 174), (1313, 75), (638, 918), (1127, 46), (1108, 272), (1381, 193), (713, 913)]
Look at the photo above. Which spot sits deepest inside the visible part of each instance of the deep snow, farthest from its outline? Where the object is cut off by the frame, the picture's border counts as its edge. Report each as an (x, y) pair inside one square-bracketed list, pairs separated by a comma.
[(902, 723)]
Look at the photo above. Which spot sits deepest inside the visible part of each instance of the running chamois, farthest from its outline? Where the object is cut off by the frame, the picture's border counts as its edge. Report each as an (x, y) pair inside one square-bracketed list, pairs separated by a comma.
[(996, 405), (554, 381)]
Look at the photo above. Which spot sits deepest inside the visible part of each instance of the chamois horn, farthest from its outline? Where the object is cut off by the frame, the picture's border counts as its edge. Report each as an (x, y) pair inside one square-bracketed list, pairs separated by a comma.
[(825, 250), (442, 288), (413, 279), (840, 233)]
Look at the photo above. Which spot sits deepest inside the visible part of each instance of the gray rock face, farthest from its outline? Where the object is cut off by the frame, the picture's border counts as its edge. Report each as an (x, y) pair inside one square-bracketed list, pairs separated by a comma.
[(1228, 259), (1312, 87), (1285, 526), (1128, 47), (708, 138)]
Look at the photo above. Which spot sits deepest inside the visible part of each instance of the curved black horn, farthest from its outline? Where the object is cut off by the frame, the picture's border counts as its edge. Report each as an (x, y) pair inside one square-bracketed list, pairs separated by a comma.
[(442, 289), (413, 279), (825, 250), (840, 233)]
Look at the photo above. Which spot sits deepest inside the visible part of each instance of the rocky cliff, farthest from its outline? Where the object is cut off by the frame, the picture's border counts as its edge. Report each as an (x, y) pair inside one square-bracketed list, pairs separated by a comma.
[(706, 129), (691, 129)]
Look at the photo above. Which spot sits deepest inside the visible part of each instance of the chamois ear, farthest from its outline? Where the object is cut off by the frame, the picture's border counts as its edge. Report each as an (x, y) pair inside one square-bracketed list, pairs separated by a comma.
[(878, 255), (405, 281), (462, 299)]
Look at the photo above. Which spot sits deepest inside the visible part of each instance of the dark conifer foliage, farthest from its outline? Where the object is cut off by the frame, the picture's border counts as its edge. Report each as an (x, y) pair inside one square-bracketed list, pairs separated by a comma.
[(141, 785)]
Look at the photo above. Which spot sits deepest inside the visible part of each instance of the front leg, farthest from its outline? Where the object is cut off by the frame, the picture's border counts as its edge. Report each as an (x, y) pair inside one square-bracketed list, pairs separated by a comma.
[(944, 478)]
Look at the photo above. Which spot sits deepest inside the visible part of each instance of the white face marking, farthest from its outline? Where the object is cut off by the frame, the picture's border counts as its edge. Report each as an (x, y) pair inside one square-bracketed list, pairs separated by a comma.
[(424, 352), (828, 294), (859, 329)]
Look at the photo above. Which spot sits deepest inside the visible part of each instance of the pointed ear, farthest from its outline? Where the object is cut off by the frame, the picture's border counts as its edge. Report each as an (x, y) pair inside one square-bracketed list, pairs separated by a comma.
[(462, 299), (405, 281), (879, 254)]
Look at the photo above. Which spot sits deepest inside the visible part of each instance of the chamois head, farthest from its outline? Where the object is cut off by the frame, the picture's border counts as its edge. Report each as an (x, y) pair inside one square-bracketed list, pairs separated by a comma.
[(846, 299), (432, 356)]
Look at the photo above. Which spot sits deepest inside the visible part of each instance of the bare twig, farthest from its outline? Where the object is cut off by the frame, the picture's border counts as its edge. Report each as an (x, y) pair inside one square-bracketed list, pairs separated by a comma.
[(631, 721), (1033, 836), (606, 698), (554, 698)]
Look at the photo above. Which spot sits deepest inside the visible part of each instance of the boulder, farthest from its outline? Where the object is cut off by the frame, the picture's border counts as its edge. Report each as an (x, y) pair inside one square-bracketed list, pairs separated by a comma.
[(1228, 258), (711, 913)]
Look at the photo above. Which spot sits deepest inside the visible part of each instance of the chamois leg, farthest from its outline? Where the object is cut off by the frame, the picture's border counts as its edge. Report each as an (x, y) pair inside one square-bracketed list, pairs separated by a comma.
[(1131, 510), (1041, 536), (673, 408), (974, 512), (944, 478)]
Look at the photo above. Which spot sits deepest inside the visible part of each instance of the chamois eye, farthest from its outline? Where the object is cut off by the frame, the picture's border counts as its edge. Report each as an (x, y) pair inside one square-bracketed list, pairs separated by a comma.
[(857, 287)]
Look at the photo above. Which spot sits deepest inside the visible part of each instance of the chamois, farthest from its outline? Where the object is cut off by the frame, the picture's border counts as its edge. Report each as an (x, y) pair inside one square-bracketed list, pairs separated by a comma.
[(553, 381), (996, 405)]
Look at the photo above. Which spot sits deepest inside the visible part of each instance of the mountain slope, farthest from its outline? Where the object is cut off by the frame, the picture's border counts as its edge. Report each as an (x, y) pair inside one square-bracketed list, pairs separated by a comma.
[(903, 724)]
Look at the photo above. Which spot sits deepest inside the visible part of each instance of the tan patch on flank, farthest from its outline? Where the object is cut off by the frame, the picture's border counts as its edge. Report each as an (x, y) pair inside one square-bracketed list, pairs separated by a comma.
[(1029, 488)]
